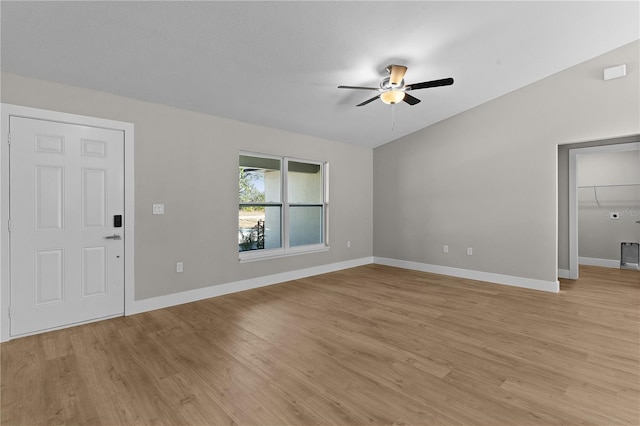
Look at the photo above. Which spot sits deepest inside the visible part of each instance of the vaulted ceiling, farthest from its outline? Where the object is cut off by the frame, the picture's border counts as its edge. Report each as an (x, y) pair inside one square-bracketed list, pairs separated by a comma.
[(278, 64)]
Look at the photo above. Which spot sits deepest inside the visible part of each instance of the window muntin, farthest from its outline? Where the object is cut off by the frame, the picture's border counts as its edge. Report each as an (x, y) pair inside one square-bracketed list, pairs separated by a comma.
[(282, 205)]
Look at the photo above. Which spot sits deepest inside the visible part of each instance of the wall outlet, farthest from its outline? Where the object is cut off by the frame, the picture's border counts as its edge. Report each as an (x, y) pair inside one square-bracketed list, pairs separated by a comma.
[(469, 251), (348, 244), (158, 209), (445, 249), (179, 267)]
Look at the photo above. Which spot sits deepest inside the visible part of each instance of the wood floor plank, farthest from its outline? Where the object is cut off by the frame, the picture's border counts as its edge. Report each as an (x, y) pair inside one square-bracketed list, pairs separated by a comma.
[(368, 345)]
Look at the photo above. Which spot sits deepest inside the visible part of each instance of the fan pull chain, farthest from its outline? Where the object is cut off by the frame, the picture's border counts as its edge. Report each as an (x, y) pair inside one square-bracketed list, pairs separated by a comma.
[(393, 117)]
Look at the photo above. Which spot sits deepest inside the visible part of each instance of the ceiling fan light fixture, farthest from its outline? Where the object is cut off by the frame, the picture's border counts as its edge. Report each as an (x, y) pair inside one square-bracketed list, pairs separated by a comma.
[(393, 90), (392, 97)]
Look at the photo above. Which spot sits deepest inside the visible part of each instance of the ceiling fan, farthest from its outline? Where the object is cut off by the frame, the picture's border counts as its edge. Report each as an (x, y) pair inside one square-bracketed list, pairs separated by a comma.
[(393, 89)]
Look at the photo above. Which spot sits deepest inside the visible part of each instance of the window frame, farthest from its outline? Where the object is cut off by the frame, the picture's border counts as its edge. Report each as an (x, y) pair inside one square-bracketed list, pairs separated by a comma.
[(285, 248)]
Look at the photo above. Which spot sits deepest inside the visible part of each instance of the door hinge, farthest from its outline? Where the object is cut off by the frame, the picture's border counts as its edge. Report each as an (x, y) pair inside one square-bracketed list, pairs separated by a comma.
[(9, 138), (9, 225), (9, 311)]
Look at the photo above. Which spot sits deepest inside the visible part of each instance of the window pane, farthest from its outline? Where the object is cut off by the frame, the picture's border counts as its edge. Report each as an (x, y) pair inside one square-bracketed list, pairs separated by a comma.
[(305, 225), (272, 234), (304, 183), (259, 180), (259, 228)]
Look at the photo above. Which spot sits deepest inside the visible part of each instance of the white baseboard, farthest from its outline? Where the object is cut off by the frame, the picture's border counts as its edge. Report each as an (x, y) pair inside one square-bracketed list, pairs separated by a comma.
[(550, 286), (564, 273), (236, 286), (606, 263), (174, 299)]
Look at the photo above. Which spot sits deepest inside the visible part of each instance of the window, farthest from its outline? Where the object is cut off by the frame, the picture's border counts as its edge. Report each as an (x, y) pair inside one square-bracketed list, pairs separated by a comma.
[(282, 206)]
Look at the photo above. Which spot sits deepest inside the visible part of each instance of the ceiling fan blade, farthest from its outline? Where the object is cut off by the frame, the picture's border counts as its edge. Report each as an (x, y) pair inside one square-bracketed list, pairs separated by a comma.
[(410, 99), (368, 101), (433, 83), (359, 88), (397, 73)]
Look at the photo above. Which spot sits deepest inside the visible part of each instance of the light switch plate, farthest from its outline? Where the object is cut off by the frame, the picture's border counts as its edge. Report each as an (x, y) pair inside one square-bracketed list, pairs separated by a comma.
[(158, 209)]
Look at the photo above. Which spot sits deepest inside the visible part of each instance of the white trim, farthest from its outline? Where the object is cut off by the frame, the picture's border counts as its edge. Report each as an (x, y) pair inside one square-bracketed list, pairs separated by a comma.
[(616, 147), (550, 286), (7, 110), (233, 287), (573, 197), (563, 273), (606, 263), (255, 255), (556, 201), (573, 216)]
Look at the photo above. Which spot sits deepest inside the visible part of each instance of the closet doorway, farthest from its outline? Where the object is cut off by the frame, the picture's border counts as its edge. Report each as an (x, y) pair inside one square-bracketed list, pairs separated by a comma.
[(604, 203)]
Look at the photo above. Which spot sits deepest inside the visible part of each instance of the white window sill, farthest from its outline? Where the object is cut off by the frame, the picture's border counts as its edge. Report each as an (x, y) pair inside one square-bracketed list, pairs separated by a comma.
[(256, 255)]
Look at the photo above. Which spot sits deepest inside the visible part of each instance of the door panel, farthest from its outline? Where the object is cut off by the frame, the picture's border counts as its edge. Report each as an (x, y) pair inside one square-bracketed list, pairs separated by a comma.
[(94, 271), (49, 276), (49, 197), (94, 198), (66, 182)]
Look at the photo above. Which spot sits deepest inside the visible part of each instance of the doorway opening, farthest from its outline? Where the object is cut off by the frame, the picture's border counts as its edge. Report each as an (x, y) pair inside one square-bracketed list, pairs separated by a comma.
[(609, 186)]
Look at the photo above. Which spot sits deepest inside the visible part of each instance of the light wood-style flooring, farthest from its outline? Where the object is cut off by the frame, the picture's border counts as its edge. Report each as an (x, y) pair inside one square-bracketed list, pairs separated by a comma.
[(369, 345)]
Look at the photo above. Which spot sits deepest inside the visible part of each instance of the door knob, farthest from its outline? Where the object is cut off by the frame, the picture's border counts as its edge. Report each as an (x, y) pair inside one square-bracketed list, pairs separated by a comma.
[(113, 237)]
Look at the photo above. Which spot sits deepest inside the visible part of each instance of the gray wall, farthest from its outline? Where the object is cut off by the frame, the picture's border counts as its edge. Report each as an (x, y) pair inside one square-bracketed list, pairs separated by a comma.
[(189, 162), (486, 178), (598, 176)]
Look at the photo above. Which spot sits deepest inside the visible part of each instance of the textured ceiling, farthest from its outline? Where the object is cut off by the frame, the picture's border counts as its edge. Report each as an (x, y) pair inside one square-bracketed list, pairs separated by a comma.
[(278, 64)]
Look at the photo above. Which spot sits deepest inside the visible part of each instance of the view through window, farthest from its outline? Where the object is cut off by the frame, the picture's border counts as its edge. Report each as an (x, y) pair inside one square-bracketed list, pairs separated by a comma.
[(281, 203)]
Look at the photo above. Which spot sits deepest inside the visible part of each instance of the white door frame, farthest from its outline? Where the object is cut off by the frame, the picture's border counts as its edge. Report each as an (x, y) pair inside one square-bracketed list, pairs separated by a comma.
[(573, 196), (8, 110)]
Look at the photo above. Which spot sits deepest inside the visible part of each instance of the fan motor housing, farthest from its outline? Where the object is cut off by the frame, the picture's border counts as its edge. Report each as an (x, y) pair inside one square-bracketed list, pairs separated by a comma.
[(386, 84)]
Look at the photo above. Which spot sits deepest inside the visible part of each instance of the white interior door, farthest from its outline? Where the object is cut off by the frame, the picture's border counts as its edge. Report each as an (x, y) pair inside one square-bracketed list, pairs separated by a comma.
[(66, 250)]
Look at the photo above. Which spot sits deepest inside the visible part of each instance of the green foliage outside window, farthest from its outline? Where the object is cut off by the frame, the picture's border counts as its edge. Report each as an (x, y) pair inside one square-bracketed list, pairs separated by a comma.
[(247, 190)]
